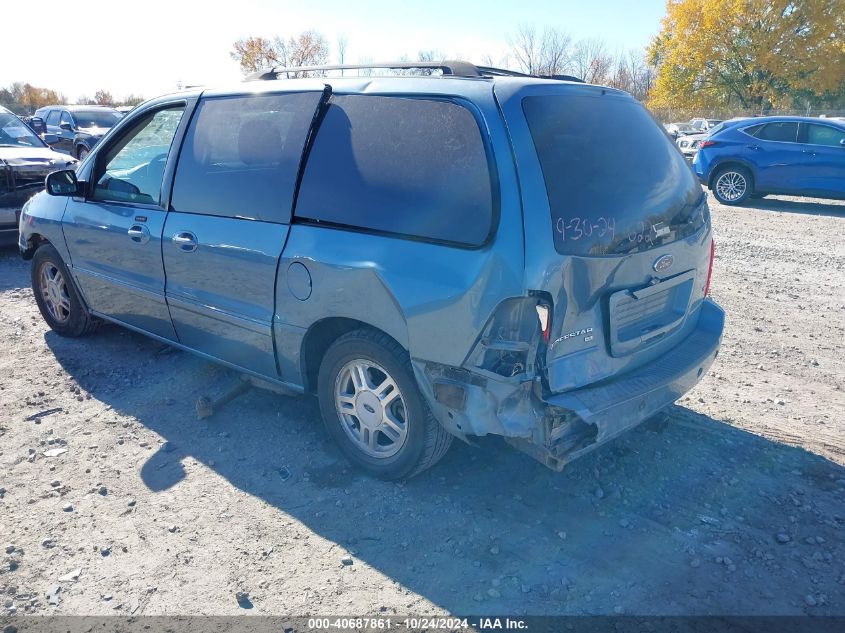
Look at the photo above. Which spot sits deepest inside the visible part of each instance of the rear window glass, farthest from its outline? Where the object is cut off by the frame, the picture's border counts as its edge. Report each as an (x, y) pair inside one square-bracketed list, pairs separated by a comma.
[(615, 182), (411, 167), (241, 156)]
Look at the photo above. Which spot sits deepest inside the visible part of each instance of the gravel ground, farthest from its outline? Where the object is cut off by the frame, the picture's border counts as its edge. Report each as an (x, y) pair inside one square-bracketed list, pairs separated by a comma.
[(118, 500)]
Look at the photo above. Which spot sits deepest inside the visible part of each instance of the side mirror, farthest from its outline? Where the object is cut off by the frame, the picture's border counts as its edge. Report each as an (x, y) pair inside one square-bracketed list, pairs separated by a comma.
[(62, 183), (51, 139), (66, 126), (842, 142)]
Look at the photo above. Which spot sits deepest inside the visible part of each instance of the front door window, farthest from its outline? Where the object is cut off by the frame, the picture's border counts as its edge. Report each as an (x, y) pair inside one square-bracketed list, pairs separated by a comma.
[(133, 168)]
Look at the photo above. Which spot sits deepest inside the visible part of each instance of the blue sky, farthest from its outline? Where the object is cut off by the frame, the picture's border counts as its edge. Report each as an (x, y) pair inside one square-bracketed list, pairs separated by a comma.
[(148, 47)]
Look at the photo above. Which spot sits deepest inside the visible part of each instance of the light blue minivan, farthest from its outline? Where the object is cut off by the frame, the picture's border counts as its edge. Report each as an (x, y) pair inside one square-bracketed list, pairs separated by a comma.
[(467, 252)]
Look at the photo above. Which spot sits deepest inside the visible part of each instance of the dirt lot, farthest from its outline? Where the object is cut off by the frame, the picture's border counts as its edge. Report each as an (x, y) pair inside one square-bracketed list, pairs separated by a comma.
[(734, 504)]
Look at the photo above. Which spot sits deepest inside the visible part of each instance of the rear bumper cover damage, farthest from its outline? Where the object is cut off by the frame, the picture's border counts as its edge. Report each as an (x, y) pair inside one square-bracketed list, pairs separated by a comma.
[(557, 428)]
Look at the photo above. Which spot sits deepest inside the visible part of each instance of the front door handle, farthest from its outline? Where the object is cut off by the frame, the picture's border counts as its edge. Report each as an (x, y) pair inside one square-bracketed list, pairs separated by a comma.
[(810, 152), (185, 241), (754, 147), (139, 233)]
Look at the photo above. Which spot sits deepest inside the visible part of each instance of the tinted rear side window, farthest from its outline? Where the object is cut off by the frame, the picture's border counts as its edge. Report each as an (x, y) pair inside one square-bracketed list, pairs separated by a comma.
[(784, 132), (241, 155), (615, 182), (824, 135), (414, 167)]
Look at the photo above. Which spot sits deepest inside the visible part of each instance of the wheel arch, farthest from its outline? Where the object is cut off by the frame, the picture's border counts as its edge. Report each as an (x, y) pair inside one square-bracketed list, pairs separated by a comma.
[(34, 241), (732, 162), (319, 338)]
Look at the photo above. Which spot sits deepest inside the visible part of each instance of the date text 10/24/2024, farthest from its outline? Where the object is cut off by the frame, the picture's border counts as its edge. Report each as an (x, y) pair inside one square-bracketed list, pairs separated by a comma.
[(423, 623)]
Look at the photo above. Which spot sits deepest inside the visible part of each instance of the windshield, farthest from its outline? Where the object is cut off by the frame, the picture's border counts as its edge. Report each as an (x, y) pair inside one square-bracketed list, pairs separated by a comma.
[(615, 182), (15, 133), (96, 118)]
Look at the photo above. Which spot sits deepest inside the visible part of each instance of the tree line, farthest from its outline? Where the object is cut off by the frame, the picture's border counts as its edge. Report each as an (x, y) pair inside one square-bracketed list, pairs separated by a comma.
[(546, 52), (715, 57), (24, 98), (710, 57)]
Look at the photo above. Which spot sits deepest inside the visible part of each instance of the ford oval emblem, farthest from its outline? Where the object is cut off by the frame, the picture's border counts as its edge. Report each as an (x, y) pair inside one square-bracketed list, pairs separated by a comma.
[(663, 263)]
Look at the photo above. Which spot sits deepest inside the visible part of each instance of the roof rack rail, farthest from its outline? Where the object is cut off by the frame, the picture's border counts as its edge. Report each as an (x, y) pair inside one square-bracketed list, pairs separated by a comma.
[(447, 67), (453, 68), (504, 72)]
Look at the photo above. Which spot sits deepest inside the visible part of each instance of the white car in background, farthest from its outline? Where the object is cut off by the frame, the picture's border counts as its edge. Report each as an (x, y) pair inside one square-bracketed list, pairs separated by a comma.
[(690, 143)]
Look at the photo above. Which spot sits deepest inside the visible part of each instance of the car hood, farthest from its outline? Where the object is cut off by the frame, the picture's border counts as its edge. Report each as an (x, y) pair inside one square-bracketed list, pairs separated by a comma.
[(34, 156), (23, 170)]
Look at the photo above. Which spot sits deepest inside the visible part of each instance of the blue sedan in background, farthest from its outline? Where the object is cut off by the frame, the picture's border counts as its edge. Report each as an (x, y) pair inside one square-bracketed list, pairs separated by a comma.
[(774, 155)]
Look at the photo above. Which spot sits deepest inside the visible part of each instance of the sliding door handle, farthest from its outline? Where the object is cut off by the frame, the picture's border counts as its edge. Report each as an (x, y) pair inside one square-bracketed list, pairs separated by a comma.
[(185, 241)]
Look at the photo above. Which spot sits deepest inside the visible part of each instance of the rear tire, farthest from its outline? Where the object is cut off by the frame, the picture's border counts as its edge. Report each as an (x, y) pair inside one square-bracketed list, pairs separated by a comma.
[(732, 185), (372, 407), (57, 297)]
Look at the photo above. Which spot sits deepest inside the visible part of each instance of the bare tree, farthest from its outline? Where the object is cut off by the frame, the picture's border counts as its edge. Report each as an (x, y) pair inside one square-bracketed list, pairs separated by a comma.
[(525, 47), (309, 48), (255, 53), (555, 52), (546, 53), (630, 72), (342, 43), (591, 61), (103, 97), (132, 100)]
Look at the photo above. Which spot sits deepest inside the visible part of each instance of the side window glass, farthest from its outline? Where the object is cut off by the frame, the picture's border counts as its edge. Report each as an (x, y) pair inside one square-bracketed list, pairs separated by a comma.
[(824, 135), (754, 130), (132, 169), (66, 118), (411, 167), (53, 117), (241, 156), (782, 131)]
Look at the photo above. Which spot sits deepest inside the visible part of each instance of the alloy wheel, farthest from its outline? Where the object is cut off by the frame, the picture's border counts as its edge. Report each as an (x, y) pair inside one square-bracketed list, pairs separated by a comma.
[(55, 292), (371, 409), (731, 186)]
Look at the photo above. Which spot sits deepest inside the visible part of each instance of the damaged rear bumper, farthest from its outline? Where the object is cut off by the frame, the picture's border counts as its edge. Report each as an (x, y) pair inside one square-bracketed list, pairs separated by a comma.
[(558, 428)]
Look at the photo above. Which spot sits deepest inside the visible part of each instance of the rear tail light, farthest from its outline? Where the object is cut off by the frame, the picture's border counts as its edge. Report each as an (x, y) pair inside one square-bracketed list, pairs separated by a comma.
[(710, 267), (544, 315), (704, 144)]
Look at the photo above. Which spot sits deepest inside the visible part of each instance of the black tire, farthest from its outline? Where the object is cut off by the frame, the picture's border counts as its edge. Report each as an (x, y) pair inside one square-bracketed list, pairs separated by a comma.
[(82, 152), (71, 319), (425, 440), (732, 185)]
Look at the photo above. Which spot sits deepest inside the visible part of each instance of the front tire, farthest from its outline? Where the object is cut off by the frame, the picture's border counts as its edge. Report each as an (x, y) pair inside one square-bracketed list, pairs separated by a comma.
[(372, 407), (732, 185), (57, 297), (82, 152)]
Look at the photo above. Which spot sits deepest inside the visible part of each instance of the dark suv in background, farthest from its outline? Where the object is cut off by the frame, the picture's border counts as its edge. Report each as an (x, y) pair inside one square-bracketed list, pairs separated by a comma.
[(77, 128)]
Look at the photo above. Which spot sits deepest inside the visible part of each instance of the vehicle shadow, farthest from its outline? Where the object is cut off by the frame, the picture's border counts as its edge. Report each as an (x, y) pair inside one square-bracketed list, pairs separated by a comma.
[(805, 206), (678, 517), (14, 272)]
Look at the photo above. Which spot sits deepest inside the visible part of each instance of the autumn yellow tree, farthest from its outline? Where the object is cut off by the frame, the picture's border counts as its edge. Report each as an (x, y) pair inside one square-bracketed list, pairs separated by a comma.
[(750, 53)]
